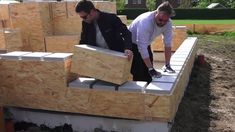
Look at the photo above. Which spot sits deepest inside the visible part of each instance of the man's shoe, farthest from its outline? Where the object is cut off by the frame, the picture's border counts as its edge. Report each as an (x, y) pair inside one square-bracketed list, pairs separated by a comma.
[(154, 74), (168, 69)]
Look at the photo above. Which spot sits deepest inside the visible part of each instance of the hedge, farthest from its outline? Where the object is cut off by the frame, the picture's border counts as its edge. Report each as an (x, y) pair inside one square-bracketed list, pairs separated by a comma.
[(187, 13)]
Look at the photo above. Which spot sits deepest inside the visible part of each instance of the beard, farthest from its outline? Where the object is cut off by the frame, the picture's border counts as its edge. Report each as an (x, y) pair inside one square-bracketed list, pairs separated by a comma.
[(160, 25)]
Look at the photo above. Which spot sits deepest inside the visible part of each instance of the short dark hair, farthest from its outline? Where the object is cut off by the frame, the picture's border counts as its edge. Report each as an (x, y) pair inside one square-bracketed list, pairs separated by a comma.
[(84, 5), (167, 8)]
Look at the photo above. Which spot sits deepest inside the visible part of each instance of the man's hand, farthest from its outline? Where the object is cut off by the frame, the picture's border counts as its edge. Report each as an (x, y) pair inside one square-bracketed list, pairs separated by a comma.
[(128, 53), (167, 68), (154, 74)]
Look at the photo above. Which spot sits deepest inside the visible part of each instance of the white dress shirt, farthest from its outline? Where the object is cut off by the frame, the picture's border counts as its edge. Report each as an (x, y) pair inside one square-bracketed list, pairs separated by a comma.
[(144, 30)]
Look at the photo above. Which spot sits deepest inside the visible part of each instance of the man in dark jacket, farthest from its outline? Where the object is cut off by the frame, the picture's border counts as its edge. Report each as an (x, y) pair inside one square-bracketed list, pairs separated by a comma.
[(103, 29)]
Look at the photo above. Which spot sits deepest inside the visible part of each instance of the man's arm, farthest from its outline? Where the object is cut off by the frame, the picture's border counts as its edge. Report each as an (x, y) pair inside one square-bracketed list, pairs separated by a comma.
[(167, 55)]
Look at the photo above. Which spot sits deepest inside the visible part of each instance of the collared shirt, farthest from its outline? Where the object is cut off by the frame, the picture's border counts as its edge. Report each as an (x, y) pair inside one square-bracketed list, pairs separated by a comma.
[(144, 30)]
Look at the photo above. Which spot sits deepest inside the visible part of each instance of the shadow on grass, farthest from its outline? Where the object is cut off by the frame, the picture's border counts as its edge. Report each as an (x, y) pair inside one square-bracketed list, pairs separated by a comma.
[(193, 114)]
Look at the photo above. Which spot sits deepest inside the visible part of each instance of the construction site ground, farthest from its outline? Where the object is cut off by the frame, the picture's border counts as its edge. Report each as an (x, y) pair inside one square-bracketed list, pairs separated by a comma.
[(209, 101)]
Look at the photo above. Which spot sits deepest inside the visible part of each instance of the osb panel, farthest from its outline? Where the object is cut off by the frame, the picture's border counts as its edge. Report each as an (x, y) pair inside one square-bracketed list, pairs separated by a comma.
[(4, 16), (99, 63), (2, 40), (157, 107), (123, 18), (62, 43), (105, 6), (59, 10), (4, 12), (64, 26), (179, 35), (27, 17), (40, 74), (13, 40), (96, 102), (37, 98), (45, 12)]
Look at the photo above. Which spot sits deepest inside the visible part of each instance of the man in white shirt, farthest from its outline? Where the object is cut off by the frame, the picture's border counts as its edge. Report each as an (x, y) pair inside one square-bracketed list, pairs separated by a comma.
[(145, 28)]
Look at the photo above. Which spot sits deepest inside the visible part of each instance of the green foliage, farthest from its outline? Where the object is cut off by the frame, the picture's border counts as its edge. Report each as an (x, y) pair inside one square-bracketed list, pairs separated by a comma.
[(119, 3), (202, 4), (151, 4)]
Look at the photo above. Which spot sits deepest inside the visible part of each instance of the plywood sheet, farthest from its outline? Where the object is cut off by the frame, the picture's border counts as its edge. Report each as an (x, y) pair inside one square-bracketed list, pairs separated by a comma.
[(59, 10), (64, 26), (27, 17), (99, 63), (13, 40), (2, 40), (61, 43)]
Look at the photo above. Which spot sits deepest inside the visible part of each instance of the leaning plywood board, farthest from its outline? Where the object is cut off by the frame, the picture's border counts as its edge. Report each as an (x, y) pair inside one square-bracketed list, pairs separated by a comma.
[(33, 20), (61, 43), (100, 63)]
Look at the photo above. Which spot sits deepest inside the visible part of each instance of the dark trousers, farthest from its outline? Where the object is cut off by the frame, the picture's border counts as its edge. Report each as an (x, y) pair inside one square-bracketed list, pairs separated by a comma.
[(138, 69)]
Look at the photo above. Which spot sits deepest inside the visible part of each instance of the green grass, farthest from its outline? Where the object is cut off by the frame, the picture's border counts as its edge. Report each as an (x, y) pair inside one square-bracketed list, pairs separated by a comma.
[(181, 22)]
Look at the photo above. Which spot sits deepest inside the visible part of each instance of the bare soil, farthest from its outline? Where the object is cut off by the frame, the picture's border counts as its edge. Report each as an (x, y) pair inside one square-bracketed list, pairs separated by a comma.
[(208, 104)]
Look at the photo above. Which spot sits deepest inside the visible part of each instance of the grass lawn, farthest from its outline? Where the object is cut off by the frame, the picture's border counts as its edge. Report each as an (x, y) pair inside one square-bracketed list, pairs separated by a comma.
[(181, 22)]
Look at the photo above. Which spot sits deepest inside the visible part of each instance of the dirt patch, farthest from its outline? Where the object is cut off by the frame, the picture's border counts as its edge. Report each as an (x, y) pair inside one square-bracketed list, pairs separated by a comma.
[(209, 100)]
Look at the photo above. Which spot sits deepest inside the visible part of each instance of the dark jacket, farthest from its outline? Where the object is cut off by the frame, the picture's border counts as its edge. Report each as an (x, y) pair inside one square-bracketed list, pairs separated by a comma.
[(115, 33)]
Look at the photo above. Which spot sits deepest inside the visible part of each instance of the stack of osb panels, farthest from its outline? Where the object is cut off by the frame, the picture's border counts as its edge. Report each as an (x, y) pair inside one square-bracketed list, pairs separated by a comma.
[(10, 40), (34, 21), (179, 35), (61, 43), (34, 80), (151, 102)]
